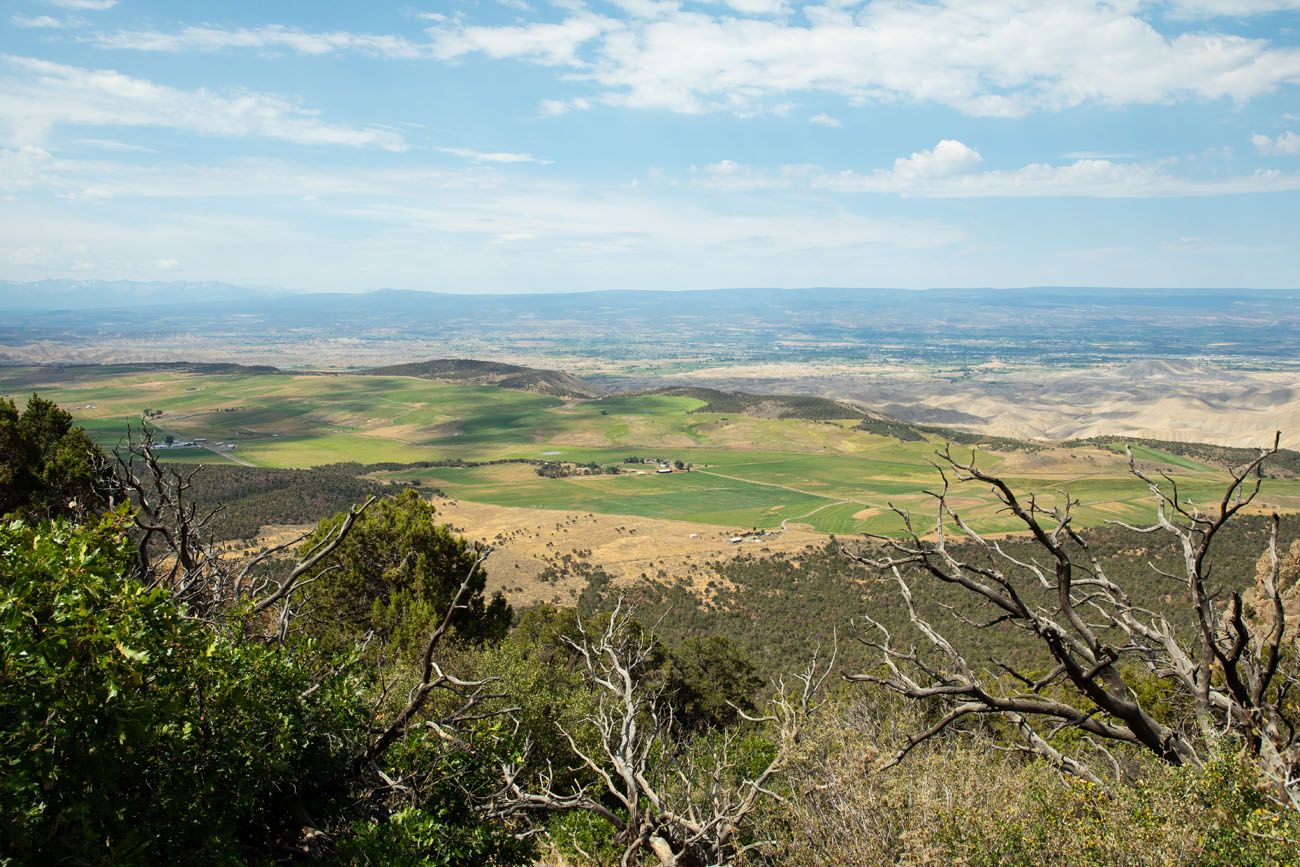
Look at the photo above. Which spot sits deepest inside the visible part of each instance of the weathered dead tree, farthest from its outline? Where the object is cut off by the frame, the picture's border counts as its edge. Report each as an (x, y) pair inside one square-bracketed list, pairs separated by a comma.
[(175, 550), (665, 801), (1095, 638)]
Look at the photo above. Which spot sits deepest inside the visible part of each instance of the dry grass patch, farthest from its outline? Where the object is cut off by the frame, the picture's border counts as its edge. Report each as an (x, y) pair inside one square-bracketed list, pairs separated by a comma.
[(532, 542)]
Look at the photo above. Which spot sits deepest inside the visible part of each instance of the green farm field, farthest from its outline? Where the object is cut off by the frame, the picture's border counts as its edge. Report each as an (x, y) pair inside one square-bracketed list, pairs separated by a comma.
[(746, 472)]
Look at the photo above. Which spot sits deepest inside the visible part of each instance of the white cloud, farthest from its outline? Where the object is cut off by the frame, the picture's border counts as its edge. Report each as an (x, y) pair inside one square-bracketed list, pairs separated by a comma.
[(544, 43), (30, 254), (627, 221), (949, 157), (34, 168), (166, 264), (1098, 179), (824, 119), (557, 107), (734, 177), (492, 156), (40, 94), (553, 44), (271, 37), (982, 57), (948, 171), (759, 7), (1285, 145), (647, 9), (109, 144), (39, 22), (441, 228), (86, 5), (943, 172), (24, 167), (1096, 155), (1192, 9)]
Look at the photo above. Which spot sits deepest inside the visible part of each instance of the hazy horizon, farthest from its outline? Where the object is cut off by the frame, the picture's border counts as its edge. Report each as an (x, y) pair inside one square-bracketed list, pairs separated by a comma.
[(363, 290), (87, 294)]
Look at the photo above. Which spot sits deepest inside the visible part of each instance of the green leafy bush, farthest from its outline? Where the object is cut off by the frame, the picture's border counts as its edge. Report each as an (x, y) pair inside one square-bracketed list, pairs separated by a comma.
[(48, 466), (447, 829), (397, 572), (131, 734)]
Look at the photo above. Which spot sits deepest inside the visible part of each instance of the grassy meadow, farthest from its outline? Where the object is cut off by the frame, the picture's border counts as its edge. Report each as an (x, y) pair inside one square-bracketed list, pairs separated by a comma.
[(747, 472)]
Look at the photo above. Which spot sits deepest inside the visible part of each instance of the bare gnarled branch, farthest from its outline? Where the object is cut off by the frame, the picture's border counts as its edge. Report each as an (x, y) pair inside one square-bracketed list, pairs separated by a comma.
[(1093, 637), (678, 805)]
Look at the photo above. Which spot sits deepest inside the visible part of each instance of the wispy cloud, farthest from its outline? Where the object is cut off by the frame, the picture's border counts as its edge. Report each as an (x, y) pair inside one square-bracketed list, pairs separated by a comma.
[(1097, 155), (39, 22), (474, 183), (974, 57), (948, 171), (1285, 145), (85, 5), (109, 144), (543, 43), (492, 156), (39, 94), (272, 37), (447, 226), (1194, 9), (557, 107), (759, 7)]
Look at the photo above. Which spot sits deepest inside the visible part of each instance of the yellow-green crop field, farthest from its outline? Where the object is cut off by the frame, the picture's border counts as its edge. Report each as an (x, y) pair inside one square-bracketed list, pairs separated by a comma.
[(747, 472)]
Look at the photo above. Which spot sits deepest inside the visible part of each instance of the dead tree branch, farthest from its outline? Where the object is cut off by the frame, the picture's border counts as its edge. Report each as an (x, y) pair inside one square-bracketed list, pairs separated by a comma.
[(174, 547), (1094, 637), (680, 806), (468, 694)]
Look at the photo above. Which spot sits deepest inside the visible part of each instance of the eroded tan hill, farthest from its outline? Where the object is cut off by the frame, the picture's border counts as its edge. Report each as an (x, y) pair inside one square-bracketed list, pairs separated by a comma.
[(1157, 400), (532, 544), (535, 550)]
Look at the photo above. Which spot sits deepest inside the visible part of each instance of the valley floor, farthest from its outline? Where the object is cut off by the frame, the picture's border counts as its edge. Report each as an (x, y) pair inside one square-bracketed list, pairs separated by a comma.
[(484, 445)]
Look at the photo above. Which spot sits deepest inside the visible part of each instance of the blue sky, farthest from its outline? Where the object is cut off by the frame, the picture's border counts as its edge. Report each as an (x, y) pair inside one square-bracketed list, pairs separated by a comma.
[(524, 145)]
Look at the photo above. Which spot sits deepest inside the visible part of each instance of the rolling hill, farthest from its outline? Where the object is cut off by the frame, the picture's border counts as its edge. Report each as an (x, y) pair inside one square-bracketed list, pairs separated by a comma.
[(477, 441), (794, 406), (467, 371)]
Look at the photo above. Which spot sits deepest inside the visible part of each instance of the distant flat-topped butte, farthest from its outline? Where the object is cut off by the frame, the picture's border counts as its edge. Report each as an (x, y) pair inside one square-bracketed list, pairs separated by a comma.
[(747, 472)]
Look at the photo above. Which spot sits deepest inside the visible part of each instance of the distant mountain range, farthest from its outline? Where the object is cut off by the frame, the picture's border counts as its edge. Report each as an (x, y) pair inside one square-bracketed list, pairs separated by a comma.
[(82, 295), (59, 320)]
